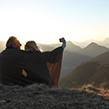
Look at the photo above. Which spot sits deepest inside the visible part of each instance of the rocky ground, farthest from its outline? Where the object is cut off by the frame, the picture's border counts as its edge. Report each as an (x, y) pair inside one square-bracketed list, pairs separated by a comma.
[(42, 97)]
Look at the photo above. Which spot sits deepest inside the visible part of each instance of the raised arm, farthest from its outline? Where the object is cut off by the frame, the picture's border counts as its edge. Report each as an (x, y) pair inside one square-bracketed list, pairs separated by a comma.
[(63, 41)]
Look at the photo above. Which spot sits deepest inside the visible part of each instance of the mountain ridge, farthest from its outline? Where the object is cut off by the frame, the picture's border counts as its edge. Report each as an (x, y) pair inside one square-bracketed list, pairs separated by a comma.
[(92, 50), (94, 72)]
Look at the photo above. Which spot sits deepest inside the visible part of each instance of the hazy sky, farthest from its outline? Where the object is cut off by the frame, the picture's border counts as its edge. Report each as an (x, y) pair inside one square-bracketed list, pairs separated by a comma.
[(48, 20)]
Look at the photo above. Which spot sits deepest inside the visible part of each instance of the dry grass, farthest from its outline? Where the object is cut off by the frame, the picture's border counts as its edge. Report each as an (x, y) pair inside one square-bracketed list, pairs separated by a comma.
[(100, 91), (42, 97)]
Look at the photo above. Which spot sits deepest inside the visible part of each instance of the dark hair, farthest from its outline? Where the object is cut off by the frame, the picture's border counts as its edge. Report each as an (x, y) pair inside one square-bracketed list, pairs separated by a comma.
[(11, 41)]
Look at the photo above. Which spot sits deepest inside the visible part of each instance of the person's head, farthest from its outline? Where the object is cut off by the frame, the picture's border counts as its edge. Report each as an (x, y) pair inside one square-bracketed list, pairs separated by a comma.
[(31, 46), (13, 41)]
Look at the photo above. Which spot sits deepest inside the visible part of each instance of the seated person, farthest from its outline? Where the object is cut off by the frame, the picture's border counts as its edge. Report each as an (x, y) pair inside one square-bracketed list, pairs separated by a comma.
[(24, 68)]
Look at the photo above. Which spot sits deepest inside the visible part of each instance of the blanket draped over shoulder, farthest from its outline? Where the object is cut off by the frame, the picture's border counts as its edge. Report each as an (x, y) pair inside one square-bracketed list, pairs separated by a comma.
[(24, 68)]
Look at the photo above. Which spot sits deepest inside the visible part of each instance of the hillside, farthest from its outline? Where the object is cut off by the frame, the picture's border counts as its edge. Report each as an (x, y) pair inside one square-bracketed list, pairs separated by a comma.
[(94, 72), (93, 50), (42, 97), (70, 61), (91, 72), (102, 57)]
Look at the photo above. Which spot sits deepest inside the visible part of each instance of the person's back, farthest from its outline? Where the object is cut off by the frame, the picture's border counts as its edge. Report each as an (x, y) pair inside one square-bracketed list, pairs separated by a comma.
[(23, 68), (54, 60), (19, 67)]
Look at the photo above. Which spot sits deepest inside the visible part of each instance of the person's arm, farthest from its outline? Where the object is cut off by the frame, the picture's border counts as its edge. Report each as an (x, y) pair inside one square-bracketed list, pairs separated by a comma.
[(63, 41), (63, 45)]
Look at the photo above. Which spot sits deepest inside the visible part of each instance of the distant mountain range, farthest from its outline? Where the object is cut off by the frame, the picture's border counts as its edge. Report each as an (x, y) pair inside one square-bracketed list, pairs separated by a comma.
[(92, 50), (83, 44), (2, 45), (70, 61), (72, 47), (94, 72), (105, 42), (69, 46), (73, 59)]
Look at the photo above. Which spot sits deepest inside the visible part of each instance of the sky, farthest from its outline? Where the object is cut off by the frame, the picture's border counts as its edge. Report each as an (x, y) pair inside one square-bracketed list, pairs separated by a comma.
[(45, 21)]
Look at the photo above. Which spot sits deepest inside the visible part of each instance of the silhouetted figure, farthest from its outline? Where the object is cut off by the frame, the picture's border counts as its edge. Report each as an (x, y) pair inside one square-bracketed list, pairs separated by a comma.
[(24, 68)]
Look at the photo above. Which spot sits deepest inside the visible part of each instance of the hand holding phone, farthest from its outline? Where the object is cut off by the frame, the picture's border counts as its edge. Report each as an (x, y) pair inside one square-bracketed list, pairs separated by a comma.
[(62, 40)]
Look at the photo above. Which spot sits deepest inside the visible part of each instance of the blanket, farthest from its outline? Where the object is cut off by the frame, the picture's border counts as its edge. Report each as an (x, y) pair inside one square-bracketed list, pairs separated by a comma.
[(24, 68)]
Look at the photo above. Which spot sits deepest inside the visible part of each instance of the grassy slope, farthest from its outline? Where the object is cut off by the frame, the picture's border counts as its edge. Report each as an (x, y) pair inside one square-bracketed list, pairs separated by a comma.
[(87, 73), (42, 97), (95, 71), (103, 57)]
